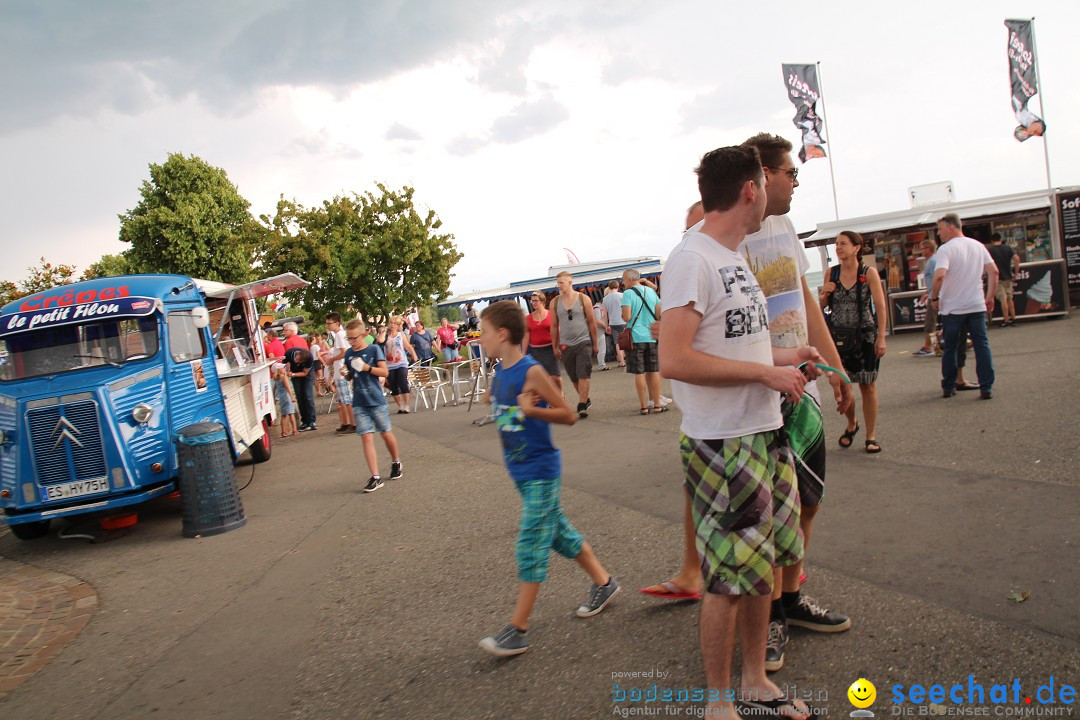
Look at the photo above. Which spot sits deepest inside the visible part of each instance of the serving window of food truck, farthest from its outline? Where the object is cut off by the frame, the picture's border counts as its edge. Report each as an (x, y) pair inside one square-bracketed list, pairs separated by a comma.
[(1033, 224)]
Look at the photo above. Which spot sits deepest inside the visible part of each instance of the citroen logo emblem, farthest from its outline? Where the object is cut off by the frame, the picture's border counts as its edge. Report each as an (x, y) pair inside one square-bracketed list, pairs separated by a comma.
[(64, 429)]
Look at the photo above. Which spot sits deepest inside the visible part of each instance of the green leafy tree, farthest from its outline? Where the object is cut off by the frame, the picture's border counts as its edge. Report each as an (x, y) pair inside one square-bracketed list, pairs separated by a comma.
[(47, 276), (191, 220), (109, 266), (367, 254), (44, 276), (431, 314), (8, 291)]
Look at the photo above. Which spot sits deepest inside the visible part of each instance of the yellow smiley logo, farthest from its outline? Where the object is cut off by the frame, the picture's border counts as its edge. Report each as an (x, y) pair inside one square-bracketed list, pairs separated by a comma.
[(862, 693)]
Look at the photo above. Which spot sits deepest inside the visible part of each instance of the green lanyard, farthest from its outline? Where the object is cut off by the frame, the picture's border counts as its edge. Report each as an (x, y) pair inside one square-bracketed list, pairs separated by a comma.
[(827, 368)]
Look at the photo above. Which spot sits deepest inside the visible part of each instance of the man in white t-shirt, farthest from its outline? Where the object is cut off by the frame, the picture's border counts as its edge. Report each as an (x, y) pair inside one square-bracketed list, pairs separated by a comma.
[(337, 339), (795, 320), (715, 348), (960, 301), (411, 318)]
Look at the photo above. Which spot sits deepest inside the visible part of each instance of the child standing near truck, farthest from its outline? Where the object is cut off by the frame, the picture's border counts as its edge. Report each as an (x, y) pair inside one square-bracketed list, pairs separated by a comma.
[(525, 401), (366, 364), (283, 393)]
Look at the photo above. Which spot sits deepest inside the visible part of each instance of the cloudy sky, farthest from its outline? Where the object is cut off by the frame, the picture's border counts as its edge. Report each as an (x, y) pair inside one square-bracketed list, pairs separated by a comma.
[(528, 126)]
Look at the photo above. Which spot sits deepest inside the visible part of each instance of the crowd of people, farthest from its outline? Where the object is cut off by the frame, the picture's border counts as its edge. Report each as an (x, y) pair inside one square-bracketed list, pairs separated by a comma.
[(742, 339), (318, 365)]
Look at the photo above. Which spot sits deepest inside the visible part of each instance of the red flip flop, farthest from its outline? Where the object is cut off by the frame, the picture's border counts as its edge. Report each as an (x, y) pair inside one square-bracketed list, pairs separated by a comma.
[(670, 591)]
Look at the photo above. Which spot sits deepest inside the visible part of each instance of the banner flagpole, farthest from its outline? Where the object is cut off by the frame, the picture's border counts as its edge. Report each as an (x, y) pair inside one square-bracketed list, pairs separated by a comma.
[(1042, 101), (832, 146)]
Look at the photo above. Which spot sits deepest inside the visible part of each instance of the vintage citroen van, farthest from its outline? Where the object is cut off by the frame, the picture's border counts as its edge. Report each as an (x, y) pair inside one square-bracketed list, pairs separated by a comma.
[(97, 378)]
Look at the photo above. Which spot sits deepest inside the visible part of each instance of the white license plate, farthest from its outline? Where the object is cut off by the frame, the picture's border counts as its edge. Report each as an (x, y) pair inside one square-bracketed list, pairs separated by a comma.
[(75, 489)]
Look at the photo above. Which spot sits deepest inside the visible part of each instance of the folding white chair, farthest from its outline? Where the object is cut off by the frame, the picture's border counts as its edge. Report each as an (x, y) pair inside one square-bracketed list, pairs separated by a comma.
[(424, 379)]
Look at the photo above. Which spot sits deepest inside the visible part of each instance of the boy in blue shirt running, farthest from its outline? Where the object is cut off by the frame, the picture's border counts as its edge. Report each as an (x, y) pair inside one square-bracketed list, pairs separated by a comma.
[(365, 364), (525, 401)]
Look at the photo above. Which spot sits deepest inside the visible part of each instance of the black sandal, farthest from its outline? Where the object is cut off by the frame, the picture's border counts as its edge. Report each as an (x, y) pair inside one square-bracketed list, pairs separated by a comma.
[(644, 411), (876, 444), (849, 436)]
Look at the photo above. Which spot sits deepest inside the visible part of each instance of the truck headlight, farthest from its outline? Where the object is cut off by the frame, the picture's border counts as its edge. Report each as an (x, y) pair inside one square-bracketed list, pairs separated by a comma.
[(142, 413)]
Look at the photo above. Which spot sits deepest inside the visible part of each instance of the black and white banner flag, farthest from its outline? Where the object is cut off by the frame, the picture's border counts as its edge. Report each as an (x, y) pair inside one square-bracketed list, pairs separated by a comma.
[(1022, 78), (802, 86)]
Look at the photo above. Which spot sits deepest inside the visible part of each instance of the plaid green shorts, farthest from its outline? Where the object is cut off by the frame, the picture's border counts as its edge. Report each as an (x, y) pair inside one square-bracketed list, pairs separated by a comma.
[(544, 528), (745, 506)]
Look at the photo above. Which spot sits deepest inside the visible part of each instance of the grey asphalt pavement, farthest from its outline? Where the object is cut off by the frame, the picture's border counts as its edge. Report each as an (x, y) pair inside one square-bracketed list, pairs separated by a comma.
[(332, 603)]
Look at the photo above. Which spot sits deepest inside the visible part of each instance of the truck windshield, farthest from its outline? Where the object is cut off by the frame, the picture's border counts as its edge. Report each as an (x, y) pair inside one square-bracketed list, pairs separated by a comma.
[(76, 347)]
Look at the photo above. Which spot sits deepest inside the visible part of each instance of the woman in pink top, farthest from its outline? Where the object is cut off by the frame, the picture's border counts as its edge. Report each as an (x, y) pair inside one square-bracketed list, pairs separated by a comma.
[(538, 337), (447, 335)]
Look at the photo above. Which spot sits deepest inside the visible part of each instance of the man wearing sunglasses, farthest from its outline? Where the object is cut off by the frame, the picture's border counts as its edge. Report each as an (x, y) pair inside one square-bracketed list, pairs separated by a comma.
[(775, 255), (573, 337)]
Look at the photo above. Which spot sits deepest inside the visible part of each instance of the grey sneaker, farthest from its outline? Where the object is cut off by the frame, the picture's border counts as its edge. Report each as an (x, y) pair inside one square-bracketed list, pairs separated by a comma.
[(395, 470), (774, 647), (808, 614), (507, 642), (373, 484), (599, 597)]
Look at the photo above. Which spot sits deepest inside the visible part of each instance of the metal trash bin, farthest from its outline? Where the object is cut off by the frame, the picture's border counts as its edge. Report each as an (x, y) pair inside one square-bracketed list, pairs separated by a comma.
[(210, 501)]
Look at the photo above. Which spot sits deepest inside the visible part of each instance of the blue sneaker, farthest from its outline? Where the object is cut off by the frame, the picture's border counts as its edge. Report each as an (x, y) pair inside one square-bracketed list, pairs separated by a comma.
[(923, 352)]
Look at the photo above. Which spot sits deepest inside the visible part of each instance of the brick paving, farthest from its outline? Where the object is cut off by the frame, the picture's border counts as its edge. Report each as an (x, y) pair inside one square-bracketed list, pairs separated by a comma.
[(40, 613)]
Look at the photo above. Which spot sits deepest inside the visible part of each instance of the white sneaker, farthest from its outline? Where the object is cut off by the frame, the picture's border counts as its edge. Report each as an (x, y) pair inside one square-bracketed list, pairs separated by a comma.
[(665, 400)]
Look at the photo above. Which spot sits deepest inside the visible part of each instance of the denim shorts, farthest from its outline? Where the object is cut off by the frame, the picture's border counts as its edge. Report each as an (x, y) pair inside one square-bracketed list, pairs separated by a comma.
[(371, 419)]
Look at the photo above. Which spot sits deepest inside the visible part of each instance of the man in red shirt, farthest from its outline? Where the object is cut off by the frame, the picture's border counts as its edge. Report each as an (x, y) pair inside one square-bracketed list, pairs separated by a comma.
[(292, 339), (273, 346)]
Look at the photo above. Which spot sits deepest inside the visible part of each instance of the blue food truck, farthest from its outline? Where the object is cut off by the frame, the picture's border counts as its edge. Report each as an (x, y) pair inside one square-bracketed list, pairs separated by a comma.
[(98, 377)]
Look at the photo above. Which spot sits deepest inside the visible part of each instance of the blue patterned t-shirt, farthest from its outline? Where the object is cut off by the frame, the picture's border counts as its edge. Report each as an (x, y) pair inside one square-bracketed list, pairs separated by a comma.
[(526, 441)]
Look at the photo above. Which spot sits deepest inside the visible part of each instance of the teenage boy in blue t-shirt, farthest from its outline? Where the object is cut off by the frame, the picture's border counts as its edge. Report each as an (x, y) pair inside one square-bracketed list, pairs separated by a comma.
[(524, 401), (366, 364)]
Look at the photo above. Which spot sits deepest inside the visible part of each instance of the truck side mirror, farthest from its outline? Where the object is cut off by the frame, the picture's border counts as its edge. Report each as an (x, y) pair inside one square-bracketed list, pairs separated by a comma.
[(200, 317)]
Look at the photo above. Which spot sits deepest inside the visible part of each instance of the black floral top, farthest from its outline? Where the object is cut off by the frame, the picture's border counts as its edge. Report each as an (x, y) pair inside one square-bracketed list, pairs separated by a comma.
[(854, 308)]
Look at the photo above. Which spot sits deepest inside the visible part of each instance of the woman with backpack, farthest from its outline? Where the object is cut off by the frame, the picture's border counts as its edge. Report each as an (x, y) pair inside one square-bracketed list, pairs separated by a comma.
[(854, 302)]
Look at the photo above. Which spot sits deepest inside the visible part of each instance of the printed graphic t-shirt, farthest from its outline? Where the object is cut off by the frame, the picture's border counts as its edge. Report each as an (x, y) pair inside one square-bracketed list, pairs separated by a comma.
[(366, 389), (718, 284), (396, 357), (775, 256), (526, 441)]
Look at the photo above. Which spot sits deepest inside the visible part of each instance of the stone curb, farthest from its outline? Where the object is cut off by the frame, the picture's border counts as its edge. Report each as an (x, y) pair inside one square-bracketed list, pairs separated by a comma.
[(40, 613)]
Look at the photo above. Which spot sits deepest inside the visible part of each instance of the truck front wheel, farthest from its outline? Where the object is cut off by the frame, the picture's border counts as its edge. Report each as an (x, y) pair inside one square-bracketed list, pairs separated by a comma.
[(260, 449), (31, 530)]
